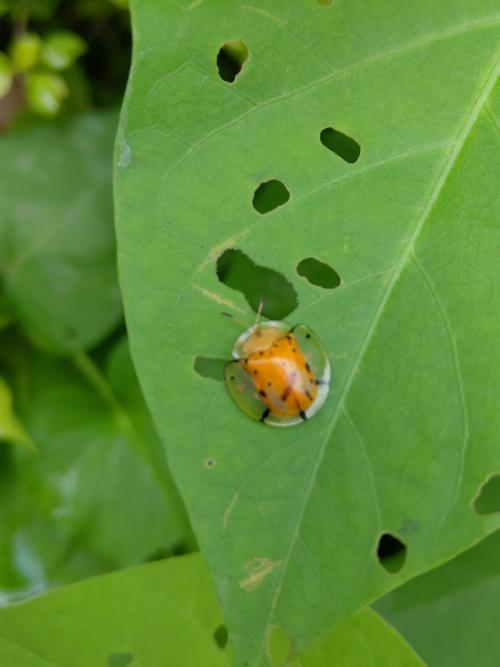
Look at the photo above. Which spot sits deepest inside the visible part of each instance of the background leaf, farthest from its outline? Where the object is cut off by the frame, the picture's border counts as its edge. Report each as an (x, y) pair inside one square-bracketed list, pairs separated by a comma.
[(411, 427), (57, 250), (451, 615), (11, 428), (147, 624), (98, 496)]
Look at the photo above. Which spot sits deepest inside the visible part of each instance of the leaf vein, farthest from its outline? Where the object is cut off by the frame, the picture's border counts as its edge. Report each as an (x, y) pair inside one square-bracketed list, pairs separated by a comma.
[(460, 382)]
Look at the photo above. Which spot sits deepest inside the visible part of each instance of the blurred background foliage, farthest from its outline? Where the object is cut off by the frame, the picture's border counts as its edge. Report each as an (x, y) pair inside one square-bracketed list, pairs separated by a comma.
[(58, 56), (84, 484)]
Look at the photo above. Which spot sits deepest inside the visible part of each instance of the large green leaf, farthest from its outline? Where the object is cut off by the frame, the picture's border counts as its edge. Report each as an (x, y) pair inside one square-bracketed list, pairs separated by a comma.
[(411, 427), (164, 615), (57, 254), (98, 495), (451, 615)]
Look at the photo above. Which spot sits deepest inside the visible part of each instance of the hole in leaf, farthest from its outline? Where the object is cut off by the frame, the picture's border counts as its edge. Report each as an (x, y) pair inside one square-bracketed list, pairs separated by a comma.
[(278, 646), (236, 270), (340, 144), (318, 273), (221, 636), (269, 195), (391, 553), (488, 499), (120, 659), (230, 59), (209, 367), (210, 463)]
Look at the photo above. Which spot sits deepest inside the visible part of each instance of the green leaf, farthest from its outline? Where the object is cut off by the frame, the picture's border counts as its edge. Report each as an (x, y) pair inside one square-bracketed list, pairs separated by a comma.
[(409, 223), (99, 494), (36, 551), (90, 623), (451, 615), (6, 318), (57, 251), (6, 74), (25, 51), (121, 4), (11, 428), (45, 93), (61, 49), (363, 640)]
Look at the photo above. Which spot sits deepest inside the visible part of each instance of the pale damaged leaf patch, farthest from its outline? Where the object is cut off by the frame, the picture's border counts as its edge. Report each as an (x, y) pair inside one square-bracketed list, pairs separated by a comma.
[(258, 569)]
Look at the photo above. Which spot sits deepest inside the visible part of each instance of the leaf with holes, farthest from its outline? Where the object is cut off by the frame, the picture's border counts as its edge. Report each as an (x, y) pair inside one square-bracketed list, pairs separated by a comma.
[(57, 250), (379, 121), (450, 612), (146, 622)]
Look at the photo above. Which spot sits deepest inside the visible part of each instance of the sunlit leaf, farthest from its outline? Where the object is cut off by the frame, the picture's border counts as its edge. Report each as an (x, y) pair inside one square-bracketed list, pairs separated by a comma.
[(140, 617)]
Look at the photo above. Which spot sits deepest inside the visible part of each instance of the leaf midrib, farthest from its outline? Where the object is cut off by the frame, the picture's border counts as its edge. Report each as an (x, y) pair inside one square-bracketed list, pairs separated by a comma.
[(448, 166)]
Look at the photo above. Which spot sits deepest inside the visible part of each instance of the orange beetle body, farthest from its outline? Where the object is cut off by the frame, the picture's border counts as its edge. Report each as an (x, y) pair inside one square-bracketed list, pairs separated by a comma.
[(280, 375)]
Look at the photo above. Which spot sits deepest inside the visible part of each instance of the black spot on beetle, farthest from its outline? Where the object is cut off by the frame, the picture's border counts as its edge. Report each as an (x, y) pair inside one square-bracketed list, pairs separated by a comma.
[(265, 414), (262, 393), (308, 368)]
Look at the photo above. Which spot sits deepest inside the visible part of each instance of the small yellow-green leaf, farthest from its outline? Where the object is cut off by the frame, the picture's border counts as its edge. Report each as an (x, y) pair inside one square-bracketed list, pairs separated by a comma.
[(25, 51), (6, 74), (11, 428), (45, 92), (61, 49)]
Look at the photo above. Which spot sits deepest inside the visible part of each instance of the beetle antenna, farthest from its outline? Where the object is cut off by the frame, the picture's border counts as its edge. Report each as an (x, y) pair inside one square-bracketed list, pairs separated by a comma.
[(259, 312)]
